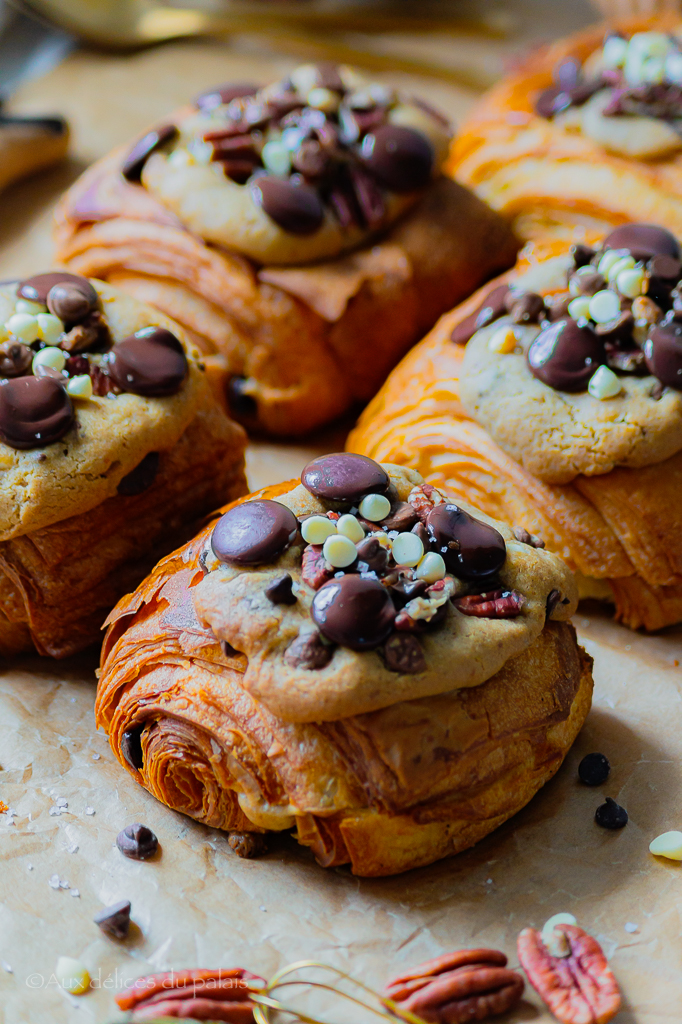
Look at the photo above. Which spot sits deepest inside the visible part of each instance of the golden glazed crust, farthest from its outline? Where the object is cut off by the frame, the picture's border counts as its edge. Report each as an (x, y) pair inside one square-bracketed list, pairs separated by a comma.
[(307, 342), (622, 528), (546, 179), (352, 788)]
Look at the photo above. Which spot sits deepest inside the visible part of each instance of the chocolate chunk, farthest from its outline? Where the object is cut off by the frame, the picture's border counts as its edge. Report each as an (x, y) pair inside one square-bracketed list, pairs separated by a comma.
[(594, 769), (150, 362), (344, 477), (611, 815), (354, 612), (406, 589), (643, 241), (401, 158), (15, 359), (254, 532), (565, 355), (222, 94), (662, 351), (581, 254), (310, 159), (280, 592), (371, 552), (618, 330), (71, 301), (403, 653), (551, 101), (529, 308), (308, 650), (115, 920), (137, 157), (242, 404), (141, 478), (588, 284), (328, 77), (37, 288), (137, 842), (401, 517), (492, 307), (34, 411), (668, 268), (247, 844), (471, 549), (131, 748), (297, 209)]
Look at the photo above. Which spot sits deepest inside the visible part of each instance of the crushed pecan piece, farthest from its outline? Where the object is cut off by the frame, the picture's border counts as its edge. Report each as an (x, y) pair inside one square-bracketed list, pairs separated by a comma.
[(102, 383), (422, 501), (247, 844), (308, 651), (524, 537), (15, 358), (315, 569), (579, 988), (469, 985), (495, 604)]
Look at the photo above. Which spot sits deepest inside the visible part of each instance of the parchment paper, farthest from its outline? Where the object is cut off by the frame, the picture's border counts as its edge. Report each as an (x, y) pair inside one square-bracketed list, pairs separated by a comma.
[(200, 905)]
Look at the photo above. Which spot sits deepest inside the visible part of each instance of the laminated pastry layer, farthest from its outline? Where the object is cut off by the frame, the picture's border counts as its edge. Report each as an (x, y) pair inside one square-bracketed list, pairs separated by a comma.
[(301, 343), (622, 527), (576, 167), (462, 650), (110, 436), (385, 791)]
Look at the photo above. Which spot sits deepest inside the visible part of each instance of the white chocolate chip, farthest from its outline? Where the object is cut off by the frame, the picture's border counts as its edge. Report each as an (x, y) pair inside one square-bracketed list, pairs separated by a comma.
[(374, 507), (431, 568), (579, 308), (503, 340), (631, 282), (276, 158), (604, 384), (348, 526), (80, 386), (608, 260), (668, 844), (604, 306), (72, 975), (316, 529), (25, 306), (50, 328), (304, 78), (614, 52), (323, 99), (649, 44), (624, 263), (653, 71), (407, 549), (556, 942), (673, 68), (339, 551), (23, 326), (52, 357)]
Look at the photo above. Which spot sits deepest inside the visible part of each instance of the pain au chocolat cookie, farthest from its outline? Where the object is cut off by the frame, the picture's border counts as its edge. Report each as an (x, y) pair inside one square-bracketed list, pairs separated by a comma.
[(303, 233), (553, 399), (111, 448), (351, 656), (587, 131)]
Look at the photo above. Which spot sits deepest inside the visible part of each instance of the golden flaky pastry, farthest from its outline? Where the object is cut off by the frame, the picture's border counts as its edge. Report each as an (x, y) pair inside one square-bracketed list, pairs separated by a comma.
[(303, 234), (552, 453), (111, 447), (585, 132), (388, 727)]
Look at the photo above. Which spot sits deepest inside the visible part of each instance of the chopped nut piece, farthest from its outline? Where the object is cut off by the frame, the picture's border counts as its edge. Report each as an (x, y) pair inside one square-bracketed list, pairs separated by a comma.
[(247, 844), (72, 975), (314, 567)]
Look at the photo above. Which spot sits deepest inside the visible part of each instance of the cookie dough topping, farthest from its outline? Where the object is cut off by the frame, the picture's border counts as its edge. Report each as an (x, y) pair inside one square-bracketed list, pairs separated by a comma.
[(55, 346)]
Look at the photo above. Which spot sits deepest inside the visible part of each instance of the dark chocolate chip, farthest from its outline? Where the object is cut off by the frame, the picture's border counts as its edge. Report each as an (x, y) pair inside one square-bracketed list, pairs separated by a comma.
[(34, 411), (308, 651), (343, 477), (401, 158), (611, 815), (71, 301), (403, 653), (295, 208), (224, 94), (354, 611), (618, 330), (242, 404), (663, 351), (115, 920), (247, 844), (565, 355), (567, 73), (401, 517), (420, 531), (150, 362), (594, 769), (581, 254), (372, 554), (131, 748), (588, 284), (37, 288), (142, 477), (254, 532), (15, 359), (137, 842), (471, 549), (643, 241), (280, 592), (142, 150)]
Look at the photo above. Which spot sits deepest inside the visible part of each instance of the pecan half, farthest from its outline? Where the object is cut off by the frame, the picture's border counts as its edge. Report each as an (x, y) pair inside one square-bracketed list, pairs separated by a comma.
[(469, 985), (193, 995), (495, 604), (315, 569), (579, 988)]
